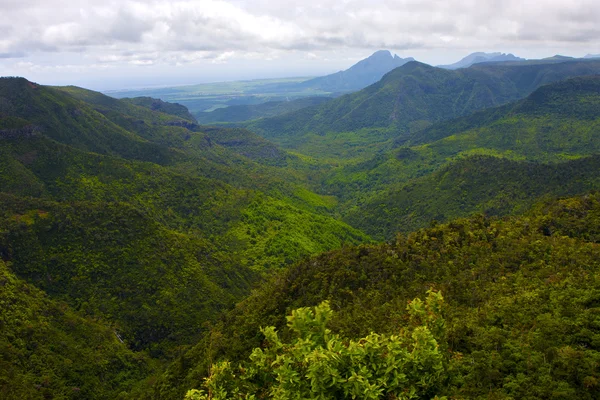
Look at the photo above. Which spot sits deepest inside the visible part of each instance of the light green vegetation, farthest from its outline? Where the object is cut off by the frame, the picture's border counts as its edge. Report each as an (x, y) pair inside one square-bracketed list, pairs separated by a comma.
[(321, 365)]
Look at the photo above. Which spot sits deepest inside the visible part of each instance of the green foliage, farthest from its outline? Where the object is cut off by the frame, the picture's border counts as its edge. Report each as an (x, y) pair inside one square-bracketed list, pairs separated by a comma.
[(273, 233), (47, 350), (110, 261), (521, 298), (484, 184), (415, 95), (318, 364)]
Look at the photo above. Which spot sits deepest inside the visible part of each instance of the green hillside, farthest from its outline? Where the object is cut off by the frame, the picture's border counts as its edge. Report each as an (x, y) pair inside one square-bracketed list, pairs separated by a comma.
[(142, 252), (157, 250), (65, 119), (557, 123), (109, 260), (411, 98), (47, 350), (484, 184), (521, 298)]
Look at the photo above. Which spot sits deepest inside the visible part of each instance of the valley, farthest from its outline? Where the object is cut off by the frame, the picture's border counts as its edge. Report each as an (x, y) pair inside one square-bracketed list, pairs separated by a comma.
[(146, 244)]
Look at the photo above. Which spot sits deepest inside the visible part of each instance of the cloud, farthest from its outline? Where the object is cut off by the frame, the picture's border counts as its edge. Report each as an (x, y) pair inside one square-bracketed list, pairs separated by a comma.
[(12, 55), (148, 32)]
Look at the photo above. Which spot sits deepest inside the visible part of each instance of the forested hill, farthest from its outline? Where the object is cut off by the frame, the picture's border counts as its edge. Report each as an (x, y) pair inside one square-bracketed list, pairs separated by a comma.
[(496, 161), (140, 250), (521, 304), (140, 225), (416, 95)]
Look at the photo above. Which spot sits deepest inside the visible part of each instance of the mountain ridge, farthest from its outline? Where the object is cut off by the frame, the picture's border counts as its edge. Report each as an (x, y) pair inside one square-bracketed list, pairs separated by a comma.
[(412, 97), (481, 57)]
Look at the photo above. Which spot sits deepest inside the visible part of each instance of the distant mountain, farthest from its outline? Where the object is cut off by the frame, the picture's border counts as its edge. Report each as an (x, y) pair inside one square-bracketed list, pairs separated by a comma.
[(358, 76), (481, 57), (413, 97), (559, 57), (247, 112), (592, 56)]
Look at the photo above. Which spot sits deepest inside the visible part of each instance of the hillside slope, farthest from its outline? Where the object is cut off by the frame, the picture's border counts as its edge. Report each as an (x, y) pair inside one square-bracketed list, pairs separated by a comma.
[(156, 250), (557, 123), (48, 350), (413, 97), (521, 299), (484, 184)]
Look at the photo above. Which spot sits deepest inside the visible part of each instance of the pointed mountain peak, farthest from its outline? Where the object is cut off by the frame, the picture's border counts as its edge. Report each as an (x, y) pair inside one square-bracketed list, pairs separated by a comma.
[(360, 75)]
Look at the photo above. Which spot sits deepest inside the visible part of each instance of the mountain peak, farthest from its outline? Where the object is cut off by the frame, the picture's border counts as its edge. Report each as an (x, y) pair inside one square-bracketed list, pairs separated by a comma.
[(558, 57), (381, 54), (481, 57), (360, 75)]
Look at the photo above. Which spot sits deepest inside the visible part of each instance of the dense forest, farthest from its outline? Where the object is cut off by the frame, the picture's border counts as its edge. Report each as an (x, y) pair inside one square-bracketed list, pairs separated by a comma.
[(433, 235)]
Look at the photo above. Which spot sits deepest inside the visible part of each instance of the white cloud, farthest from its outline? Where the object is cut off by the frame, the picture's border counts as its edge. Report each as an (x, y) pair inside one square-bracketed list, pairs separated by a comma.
[(179, 32)]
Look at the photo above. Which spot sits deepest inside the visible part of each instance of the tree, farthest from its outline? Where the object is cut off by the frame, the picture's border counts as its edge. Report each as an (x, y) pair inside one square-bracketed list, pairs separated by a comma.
[(321, 365)]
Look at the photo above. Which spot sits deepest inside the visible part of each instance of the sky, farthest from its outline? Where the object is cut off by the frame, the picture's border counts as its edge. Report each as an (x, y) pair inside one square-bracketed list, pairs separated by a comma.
[(108, 44)]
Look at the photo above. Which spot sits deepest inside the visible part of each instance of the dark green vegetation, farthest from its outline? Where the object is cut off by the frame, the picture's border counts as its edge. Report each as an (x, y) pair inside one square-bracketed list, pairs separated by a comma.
[(138, 247), (247, 112), (47, 350), (137, 223), (407, 100), (521, 293), (496, 161)]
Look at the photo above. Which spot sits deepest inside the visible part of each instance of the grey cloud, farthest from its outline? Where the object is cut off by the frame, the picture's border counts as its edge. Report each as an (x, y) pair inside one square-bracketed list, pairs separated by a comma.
[(13, 55), (166, 28), (128, 28)]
